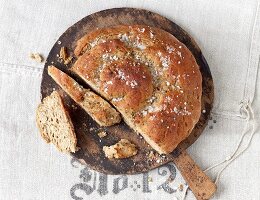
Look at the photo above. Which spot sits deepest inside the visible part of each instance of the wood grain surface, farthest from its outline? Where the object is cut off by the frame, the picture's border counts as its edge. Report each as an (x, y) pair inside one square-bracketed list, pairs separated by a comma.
[(87, 130), (200, 184)]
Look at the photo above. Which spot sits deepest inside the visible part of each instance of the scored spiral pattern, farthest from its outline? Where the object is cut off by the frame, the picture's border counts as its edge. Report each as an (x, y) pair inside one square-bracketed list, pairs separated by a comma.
[(148, 75)]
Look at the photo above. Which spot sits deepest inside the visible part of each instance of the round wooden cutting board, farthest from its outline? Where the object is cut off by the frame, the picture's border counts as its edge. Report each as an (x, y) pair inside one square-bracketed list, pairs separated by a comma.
[(87, 130)]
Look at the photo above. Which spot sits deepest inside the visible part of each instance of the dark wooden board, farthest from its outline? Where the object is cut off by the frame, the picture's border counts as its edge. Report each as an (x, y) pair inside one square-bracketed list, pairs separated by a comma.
[(91, 145)]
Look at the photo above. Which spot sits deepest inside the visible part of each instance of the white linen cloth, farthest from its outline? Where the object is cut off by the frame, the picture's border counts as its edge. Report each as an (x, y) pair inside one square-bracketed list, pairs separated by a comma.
[(228, 32)]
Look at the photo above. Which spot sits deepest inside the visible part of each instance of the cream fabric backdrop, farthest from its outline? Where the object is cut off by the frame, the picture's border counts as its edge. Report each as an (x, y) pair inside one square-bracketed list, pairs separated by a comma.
[(228, 34)]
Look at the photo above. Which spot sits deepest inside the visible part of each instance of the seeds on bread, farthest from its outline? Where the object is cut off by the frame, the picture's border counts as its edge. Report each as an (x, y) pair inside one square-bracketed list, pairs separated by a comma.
[(55, 124), (151, 78), (98, 108)]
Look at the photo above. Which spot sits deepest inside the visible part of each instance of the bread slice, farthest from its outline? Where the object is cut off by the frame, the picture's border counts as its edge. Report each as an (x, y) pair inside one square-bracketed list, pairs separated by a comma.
[(55, 124), (99, 109)]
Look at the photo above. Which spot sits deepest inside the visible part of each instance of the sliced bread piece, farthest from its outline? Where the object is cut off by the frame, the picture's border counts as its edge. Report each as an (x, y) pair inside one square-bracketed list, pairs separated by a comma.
[(99, 109), (55, 124)]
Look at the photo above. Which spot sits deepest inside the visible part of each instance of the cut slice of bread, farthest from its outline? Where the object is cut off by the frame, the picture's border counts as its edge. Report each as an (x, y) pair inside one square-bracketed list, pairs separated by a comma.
[(98, 108), (55, 124)]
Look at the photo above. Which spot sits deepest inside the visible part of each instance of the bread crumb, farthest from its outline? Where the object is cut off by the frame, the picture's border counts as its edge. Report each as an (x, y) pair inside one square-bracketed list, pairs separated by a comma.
[(68, 60), (74, 107), (123, 149), (170, 179), (64, 55), (181, 187), (91, 129), (150, 179), (37, 57), (151, 156), (102, 134)]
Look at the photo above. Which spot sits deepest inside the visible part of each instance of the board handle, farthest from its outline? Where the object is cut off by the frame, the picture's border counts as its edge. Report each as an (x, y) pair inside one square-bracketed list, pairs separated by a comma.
[(200, 184)]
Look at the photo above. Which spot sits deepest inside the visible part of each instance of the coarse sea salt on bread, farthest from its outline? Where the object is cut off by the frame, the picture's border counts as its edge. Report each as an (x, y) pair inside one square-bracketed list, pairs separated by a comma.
[(148, 75), (98, 108)]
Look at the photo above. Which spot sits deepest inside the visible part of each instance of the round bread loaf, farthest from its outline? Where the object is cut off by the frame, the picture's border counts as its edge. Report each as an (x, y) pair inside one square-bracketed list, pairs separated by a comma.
[(148, 75)]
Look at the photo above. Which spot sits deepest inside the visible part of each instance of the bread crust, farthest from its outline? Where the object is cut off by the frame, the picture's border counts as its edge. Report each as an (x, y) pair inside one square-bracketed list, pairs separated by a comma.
[(148, 75), (98, 108)]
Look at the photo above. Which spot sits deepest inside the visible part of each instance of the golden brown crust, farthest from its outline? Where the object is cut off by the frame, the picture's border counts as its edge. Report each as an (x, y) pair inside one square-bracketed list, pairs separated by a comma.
[(70, 86), (100, 110), (148, 75)]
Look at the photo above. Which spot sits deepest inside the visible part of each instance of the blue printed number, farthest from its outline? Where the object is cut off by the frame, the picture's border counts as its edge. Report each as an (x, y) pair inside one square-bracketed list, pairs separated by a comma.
[(86, 176), (165, 186)]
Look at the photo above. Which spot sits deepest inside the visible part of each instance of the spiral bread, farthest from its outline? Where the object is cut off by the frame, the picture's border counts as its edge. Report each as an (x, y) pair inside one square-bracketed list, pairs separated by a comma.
[(150, 77)]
